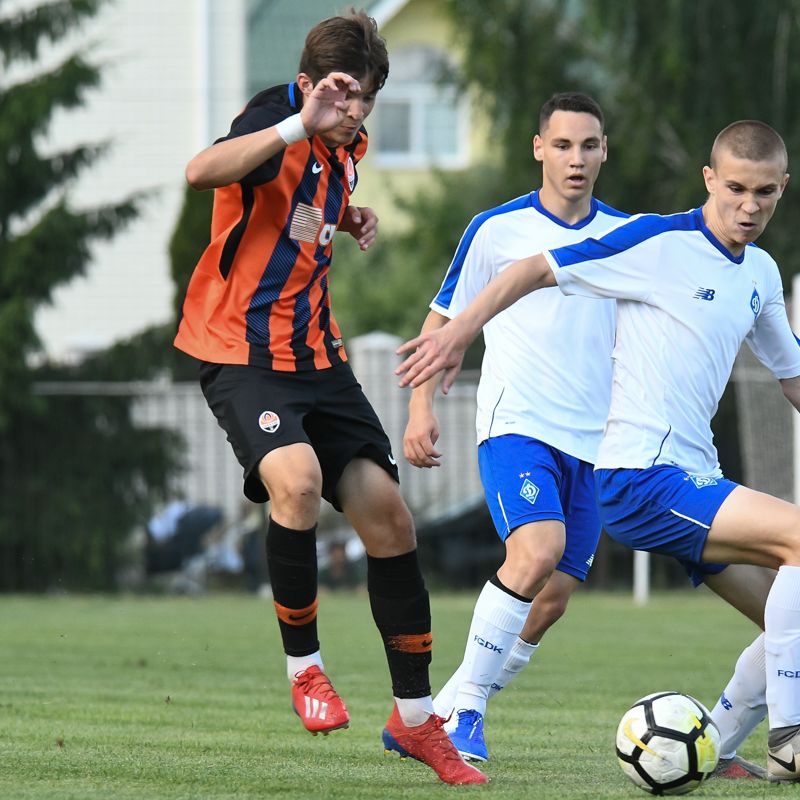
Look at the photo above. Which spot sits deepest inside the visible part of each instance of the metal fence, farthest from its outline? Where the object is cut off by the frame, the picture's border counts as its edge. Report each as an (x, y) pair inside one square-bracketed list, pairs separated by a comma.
[(212, 476)]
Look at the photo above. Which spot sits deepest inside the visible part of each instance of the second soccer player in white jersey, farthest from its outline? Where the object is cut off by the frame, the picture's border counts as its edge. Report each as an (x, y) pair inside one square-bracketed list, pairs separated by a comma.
[(541, 411), (690, 289)]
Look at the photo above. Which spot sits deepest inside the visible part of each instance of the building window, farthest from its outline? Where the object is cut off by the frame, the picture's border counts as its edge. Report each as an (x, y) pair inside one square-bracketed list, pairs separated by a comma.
[(418, 122)]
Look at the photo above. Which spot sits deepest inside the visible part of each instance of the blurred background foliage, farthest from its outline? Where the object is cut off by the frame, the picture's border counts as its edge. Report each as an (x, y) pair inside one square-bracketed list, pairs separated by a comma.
[(75, 475)]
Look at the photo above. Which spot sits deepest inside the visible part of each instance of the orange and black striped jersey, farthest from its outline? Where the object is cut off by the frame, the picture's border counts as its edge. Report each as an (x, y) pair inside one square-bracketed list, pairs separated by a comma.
[(259, 294)]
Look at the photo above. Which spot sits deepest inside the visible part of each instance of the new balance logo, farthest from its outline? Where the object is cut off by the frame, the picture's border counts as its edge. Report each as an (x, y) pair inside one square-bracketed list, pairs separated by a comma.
[(704, 294), (315, 708)]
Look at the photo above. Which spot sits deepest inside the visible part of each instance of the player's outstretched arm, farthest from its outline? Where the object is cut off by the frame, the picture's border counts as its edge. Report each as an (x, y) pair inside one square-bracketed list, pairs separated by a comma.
[(229, 161), (422, 430), (361, 223), (442, 350)]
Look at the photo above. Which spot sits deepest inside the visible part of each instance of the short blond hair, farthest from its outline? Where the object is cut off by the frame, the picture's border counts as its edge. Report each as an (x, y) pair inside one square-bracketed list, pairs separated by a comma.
[(752, 140)]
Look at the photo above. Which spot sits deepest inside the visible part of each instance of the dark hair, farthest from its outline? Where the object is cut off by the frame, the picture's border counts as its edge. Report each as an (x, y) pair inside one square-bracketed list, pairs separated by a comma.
[(570, 101), (752, 140), (349, 43)]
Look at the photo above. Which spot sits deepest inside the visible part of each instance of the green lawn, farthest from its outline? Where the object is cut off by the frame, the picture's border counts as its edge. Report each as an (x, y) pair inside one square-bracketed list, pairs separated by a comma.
[(154, 698)]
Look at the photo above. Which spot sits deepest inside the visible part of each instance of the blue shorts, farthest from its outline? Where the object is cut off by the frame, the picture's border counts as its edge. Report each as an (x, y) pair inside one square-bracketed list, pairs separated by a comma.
[(526, 480), (662, 509)]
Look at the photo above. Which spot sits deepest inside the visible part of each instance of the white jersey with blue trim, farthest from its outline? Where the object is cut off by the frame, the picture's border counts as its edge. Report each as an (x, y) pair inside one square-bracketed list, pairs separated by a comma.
[(685, 304), (546, 371)]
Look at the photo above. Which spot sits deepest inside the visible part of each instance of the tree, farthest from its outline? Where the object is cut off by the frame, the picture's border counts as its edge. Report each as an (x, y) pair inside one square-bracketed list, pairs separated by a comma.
[(75, 475), (682, 71)]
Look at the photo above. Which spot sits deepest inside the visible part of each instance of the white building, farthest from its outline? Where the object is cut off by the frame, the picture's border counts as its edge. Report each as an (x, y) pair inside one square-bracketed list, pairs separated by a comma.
[(173, 78)]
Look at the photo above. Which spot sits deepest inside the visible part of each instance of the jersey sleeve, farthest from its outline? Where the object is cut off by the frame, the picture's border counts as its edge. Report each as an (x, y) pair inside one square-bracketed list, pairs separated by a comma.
[(470, 270), (258, 118), (771, 338), (620, 264)]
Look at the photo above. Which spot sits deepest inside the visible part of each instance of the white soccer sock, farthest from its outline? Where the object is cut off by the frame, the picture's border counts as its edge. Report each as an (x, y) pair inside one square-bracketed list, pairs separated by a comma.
[(414, 710), (518, 657), (496, 622), (782, 646), (295, 664), (743, 702), (446, 696)]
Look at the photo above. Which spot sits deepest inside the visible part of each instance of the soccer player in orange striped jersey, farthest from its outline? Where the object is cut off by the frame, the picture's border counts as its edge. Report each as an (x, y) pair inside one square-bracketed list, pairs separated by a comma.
[(275, 373)]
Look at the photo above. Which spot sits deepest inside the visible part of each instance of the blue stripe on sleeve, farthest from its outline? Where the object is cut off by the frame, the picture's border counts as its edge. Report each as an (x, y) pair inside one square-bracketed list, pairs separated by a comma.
[(626, 236), (445, 295)]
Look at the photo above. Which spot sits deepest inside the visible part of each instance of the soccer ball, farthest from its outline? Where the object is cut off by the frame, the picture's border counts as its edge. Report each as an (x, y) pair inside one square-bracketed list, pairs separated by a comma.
[(667, 743)]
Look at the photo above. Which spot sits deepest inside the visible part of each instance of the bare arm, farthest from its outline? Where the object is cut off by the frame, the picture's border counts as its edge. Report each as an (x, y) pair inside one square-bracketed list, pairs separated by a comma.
[(791, 390), (422, 430), (442, 349), (229, 161)]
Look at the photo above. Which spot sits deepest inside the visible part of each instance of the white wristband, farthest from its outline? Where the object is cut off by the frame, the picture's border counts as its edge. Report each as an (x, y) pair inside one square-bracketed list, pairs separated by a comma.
[(291, 129)]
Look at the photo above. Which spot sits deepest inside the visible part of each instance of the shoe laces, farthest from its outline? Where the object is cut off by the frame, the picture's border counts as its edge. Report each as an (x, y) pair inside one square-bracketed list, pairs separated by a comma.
[(435, 733), (469, 717), (317, 683)]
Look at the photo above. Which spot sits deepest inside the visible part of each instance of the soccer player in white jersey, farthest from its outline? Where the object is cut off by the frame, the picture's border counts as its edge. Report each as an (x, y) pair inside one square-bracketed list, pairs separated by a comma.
[(690, 288), (542, 402)]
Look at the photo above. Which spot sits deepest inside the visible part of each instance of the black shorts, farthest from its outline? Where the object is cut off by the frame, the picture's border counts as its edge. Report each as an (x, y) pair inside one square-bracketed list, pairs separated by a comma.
[(262, 410)]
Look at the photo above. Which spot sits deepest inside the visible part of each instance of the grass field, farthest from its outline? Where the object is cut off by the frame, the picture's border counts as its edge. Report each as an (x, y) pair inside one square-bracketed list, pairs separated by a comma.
[(152, 698)]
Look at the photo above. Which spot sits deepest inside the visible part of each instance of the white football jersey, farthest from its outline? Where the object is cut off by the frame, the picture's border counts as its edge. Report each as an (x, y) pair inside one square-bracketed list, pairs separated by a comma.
[(546, 371), (684, 306)]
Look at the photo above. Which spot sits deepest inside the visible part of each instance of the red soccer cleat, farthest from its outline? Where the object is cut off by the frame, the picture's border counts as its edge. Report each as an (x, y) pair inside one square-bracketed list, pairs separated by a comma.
[(738, 768), (316, 702), (430, 744)]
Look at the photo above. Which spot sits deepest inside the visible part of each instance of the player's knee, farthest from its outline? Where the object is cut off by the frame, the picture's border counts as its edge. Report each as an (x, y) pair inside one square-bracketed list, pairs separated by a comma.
[(296, 494), (400, 523)]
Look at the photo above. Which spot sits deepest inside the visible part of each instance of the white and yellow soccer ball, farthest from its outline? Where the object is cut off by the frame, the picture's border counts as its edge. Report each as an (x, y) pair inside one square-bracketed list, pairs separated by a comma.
[(667, 743)]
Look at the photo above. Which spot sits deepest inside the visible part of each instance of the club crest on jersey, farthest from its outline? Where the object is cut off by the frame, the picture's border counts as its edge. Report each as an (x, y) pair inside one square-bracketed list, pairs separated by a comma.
[(755, 302), (700, 481), (704, 294), (350, 173), (269, 421), (529, 490)]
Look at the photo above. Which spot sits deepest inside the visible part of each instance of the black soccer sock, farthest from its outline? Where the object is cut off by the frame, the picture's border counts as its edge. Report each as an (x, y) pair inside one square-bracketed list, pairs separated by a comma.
[(402, 611), (292, 562)]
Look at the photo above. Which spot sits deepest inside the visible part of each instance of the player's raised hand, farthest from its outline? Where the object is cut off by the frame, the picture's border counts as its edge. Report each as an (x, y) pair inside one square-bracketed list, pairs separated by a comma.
[(325, 107), (419, 439), (435, 351)]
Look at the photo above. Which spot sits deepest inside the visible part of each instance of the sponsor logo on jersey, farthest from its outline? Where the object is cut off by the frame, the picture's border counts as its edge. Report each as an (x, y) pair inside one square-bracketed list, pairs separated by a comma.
[(755, 302), (699, 481), (269, 421), (316, 167), (350, 173), (488, 645), (789, 673), (530, 491), (704, 294)]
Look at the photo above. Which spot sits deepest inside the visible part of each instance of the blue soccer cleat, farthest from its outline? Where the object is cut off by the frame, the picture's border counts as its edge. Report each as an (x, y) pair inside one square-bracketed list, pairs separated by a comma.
[(468, 735)]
